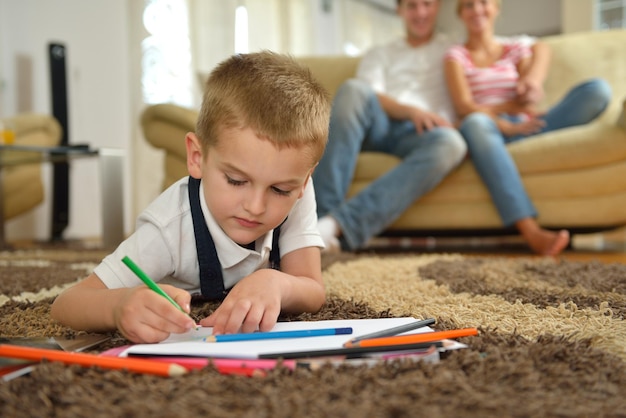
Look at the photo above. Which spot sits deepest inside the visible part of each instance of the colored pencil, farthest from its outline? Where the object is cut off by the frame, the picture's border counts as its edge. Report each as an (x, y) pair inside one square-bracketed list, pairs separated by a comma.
[(191, 363), (352, 352), (91, 360), (423, 337), (395, 330), (148, 281), (17, 371), (253, 364), (242, 371), (250, 336), (316, 363)]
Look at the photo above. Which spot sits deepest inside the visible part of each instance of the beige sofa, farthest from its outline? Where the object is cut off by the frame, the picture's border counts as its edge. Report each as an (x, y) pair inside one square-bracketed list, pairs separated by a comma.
[(576, 177), (22, 185)]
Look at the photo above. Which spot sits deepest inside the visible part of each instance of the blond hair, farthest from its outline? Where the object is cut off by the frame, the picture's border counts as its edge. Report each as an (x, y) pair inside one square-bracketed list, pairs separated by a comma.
[(459, 5), (269, 93)]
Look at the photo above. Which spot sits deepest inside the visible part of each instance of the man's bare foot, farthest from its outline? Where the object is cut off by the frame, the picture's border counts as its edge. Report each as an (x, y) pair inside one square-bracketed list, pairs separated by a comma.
[(547, 242)]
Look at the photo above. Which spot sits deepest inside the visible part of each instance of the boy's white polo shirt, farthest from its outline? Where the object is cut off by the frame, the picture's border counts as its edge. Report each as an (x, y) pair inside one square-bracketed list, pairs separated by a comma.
[(164, 247)]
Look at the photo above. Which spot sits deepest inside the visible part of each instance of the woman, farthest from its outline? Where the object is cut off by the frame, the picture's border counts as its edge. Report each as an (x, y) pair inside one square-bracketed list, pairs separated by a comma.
[(494, 90)]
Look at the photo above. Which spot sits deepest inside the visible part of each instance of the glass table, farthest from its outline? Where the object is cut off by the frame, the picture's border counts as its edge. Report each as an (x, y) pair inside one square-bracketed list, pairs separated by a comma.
[(111, 181)]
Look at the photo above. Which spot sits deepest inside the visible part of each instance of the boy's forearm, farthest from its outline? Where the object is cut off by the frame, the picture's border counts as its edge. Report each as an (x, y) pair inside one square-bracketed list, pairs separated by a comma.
[(86, 309), (302, 285), (303, 294)]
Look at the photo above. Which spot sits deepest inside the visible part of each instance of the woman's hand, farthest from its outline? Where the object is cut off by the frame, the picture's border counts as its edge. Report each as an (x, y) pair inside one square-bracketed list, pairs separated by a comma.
[(529, 91), (526, 127)]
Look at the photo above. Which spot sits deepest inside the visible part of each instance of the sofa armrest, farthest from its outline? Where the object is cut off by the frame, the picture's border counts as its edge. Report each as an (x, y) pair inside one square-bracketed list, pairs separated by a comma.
[(165, 126), (331, 71), (22, 186), (36, 130)]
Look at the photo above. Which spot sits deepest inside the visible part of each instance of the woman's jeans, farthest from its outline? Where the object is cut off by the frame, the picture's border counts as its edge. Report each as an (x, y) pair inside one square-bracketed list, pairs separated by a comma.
[(487, 146), (358, 123)]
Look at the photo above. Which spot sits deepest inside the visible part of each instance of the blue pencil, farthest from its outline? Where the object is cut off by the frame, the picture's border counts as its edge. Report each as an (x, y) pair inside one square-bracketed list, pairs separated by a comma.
[(277, 334)]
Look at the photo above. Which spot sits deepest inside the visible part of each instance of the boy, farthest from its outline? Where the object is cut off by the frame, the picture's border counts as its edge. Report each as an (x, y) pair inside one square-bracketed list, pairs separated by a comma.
[(261, 131)]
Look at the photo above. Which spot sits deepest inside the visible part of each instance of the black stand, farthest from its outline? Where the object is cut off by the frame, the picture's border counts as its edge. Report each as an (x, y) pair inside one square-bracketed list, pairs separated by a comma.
[(60, 182)]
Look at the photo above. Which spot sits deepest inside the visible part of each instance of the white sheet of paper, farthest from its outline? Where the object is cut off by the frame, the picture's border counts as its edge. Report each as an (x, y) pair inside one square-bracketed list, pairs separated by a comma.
[(191, 344)]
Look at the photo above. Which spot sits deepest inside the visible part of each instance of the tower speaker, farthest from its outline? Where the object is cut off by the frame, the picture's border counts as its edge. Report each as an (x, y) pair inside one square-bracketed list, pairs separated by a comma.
[(60, 197)]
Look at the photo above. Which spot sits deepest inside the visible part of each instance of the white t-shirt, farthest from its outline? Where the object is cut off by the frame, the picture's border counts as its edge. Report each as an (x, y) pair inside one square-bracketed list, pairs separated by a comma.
[(411, 75), (415, 75), (164, 246)]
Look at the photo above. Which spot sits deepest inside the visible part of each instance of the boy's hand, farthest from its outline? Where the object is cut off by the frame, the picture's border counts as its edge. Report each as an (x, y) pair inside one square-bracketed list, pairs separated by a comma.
[(253, 303), (143, 316)]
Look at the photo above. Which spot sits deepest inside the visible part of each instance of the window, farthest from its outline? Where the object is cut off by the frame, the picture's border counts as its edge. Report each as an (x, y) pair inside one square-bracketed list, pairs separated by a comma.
[(241, 30), (166, 53), (611, 14)]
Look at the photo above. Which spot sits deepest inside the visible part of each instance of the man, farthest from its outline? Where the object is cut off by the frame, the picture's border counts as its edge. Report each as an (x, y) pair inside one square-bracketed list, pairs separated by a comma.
[(398, 104)]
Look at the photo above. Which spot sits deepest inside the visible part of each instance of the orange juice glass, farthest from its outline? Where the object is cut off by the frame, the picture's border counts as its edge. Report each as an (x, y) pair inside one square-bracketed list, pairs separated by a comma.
[(7, 133)]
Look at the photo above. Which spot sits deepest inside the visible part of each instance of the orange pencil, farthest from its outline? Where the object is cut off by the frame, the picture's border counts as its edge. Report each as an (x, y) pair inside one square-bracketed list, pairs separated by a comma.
[(423, 337), (241, 370), (90, 360)]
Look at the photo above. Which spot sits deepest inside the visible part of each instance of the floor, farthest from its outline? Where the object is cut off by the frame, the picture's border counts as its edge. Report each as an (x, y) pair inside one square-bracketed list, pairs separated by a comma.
[(609, 247), (605, 247)]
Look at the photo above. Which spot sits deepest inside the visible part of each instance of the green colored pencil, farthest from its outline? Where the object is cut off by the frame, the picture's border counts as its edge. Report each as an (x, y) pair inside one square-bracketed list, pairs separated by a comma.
[(148, 281)]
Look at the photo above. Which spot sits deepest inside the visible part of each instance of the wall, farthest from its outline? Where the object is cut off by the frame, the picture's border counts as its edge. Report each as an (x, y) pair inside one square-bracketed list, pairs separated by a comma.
[(578, 15), (531, 17), (95, 34)]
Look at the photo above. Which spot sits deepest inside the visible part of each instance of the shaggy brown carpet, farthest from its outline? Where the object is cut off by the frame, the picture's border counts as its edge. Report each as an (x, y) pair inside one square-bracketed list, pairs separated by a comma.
[(552, 343)]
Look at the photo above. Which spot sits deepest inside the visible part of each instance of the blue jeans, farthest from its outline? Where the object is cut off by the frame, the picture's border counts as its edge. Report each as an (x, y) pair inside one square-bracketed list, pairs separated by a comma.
[(358, 123), (487, 146)]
